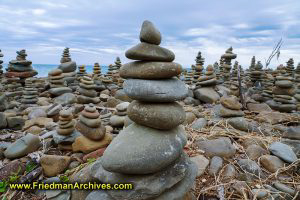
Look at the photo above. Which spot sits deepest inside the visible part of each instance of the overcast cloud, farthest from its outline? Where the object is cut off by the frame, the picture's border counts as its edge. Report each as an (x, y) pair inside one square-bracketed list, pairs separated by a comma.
[(100, 30)]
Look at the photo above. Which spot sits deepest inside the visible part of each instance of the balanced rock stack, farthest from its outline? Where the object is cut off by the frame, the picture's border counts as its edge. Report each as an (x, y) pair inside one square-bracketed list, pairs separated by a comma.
[(283, 93), (57, 83), (257, 73), (230, 107), (297, 81), (188, 77), (68, 68), (150, 150), (268, 83), (66, 124), (117, 120), (290, 67), (209, 79), (93, 132), (87, 91), (198, 67), (217, 70), (20, 67), (252, 65), (30, 93), (118, 63), (81, 72), (1, 62), (97, 70), (227, 57)]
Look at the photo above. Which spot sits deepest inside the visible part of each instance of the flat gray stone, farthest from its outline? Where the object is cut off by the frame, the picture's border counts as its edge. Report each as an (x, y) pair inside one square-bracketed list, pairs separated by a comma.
[(163, 116), (150, 70), (292, 133), (283, 151), (199, 124), (165, 90), (207, 95), (23, 146), (149, 52), (142, 150), (59, 91), (68, 67)]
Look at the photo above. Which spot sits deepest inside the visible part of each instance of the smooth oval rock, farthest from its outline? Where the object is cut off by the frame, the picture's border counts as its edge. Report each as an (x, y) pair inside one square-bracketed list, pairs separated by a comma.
[(163, 116), (166, 90), (149, 52), (149, 33), (150, 70), (22, 146), (142, 150), (283, 151), (271, 163)]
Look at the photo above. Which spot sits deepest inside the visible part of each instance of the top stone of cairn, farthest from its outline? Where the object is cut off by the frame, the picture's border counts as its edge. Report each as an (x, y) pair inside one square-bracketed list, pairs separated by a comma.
[(149, 33)]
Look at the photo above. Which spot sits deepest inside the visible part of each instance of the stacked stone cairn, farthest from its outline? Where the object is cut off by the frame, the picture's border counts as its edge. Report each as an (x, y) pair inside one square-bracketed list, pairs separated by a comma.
[(268, 83), (1, 62), (297, 81), (117, 120), (68, 68), (92, 130), (230, 107), (257, 74), (234, 86), (252, 65), (13, 84), (188, 78), (283, 93), (20, 67), (228, 56), (87, 91), (81, 71), (208, 80), (65, 133), (290, 67), (96, 70), (198, 68), (30, 94), (118, 63), (217, 70), (57, 83), (149, 152)]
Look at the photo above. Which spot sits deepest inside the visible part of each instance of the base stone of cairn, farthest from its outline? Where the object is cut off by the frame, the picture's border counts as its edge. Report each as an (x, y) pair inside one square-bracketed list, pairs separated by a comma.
[(57, 83), (20, 67), (30, 94), (94, 134), (87, 91), (283, 93), (150, 158), (65, 134)]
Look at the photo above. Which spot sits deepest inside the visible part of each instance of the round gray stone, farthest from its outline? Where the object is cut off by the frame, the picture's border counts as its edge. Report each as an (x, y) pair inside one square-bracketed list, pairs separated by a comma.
[(149, 33), (142, 150)]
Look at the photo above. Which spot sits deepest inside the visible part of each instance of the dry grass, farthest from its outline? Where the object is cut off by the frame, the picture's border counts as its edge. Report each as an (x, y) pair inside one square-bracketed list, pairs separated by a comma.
[(220, 187)]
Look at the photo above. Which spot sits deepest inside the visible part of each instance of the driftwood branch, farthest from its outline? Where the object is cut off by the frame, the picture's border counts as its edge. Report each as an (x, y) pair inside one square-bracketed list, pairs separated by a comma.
[(275, 51), (240, 88)]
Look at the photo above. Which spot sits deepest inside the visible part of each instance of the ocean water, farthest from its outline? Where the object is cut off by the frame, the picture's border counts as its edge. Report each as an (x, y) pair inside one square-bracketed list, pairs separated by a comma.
[(43, 69)]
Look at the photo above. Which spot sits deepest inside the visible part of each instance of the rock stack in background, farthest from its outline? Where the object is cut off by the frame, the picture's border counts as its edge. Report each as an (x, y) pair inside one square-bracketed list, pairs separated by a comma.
[(20, 67), (1, 62), (57, 83), (283, 93), (94, 134), (268, 83), (290, 67), (257, 74), (297, 81), (150, 149), (227, 57), (96, 70), (234, 86), (217, 71), (252, 65), (230, 107), (87, 91), (188, 77), (65, 134), (81, 71), (30, 94), (68, 68), (118, 63), (198, 67), (209, 79), (117, 120)]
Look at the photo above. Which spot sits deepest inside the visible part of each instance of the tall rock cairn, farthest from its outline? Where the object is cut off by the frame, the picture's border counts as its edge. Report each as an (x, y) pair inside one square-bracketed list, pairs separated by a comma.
[(97, 70), (297, 81), (1, 62), (68, 68), (198, 67), (150, 150), (228, 56), (30, 94), (290, 67)]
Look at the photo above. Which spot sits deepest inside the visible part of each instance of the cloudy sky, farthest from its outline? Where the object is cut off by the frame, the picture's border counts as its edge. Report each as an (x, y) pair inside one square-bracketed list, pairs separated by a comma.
[(100, 30)]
